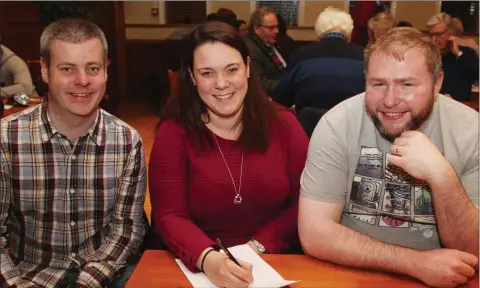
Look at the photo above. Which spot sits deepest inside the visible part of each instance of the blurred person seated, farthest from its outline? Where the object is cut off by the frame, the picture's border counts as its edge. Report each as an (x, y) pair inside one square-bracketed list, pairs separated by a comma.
[(460, 63), (324, 73), (241, 27), (226, 162), (379, 25), (458, 31), (14, 75), (266, 58)]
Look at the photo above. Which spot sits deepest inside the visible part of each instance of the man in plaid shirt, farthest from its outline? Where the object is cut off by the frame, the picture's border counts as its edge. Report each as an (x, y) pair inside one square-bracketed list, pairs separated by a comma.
[(72, 176)]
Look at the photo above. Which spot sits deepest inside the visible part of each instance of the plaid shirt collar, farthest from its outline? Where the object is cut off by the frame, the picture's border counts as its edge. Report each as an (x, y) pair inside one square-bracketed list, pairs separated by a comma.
[(48, 131)]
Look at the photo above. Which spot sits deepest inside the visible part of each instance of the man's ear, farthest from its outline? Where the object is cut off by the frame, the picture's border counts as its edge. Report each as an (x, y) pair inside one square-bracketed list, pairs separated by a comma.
[(107, 64), (438, 84), (44, 69)]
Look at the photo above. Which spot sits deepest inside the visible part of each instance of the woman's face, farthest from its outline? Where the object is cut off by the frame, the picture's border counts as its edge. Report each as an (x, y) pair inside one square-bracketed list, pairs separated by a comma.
[(221, 77)]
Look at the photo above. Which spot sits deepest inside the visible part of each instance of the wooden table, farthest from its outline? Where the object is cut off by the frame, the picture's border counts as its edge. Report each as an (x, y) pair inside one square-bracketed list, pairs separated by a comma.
[(158, 269), (7, 112), (14, 110)]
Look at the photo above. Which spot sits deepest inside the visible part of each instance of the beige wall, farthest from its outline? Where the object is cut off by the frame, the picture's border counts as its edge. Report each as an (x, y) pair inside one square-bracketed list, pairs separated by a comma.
[(415, 12), (139, 12), (136, 12)]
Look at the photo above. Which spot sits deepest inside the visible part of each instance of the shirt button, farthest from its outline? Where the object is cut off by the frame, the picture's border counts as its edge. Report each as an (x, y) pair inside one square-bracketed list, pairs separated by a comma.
[(73, 254), (72, 223), (72, 191), (74, 157)]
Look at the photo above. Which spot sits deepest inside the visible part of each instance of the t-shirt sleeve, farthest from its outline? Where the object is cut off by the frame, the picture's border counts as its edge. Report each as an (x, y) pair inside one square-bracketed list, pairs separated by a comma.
[(324, 177), (469, 177)]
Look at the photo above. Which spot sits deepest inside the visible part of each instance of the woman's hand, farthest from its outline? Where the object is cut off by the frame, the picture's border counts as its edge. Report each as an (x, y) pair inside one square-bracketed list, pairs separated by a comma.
[(225, 273)]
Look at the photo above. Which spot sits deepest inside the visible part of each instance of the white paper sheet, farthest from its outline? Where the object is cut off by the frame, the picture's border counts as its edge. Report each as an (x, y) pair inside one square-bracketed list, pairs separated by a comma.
[(263, 274)]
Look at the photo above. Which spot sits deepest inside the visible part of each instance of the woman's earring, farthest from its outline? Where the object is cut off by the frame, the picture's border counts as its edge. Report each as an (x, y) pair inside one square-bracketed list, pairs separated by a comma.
[(193, 79)]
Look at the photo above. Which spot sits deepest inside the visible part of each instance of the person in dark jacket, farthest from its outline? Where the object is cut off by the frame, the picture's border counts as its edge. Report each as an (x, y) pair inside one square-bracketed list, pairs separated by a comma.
[(460, 63), (323, 74), (266, 60)]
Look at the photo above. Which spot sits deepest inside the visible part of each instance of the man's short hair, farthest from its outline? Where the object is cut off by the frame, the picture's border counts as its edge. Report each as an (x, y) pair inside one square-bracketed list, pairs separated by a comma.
[(381, 20), (399, 40), (333, 20), (72, 30), (441, 17)]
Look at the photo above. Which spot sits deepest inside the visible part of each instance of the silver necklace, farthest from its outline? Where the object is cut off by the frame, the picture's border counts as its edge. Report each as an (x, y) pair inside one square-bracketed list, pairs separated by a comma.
[(237, 199)]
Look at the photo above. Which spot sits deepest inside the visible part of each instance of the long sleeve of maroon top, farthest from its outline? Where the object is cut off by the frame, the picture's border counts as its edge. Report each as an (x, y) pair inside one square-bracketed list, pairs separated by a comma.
[(192, 192)]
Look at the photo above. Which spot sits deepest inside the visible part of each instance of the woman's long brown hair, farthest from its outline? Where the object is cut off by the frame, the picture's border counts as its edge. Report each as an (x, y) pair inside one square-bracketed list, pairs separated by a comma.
[(187, 108)]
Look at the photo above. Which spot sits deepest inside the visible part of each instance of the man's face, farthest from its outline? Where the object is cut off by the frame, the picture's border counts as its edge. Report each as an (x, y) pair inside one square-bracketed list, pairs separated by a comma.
[(440, 34), (268, 30), (400, 95), (76, 77)]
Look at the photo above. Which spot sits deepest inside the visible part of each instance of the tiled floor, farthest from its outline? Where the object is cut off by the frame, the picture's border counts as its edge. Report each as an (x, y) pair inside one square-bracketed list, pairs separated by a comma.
[(143, 118)]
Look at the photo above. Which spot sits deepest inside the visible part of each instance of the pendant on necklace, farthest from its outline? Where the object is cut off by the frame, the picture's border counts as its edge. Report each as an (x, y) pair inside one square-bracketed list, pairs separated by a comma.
[(237, 199)]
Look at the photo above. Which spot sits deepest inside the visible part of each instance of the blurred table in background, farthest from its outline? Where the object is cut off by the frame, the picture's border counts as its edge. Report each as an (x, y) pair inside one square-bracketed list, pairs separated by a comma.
[(12, 109)]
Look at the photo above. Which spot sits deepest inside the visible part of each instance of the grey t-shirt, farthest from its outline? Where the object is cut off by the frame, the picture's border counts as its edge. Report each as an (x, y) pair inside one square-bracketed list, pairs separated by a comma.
[(347, 164)]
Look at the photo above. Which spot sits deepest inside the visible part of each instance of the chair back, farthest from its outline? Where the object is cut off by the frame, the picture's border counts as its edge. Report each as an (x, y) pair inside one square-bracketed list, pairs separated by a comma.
[(309, 117)]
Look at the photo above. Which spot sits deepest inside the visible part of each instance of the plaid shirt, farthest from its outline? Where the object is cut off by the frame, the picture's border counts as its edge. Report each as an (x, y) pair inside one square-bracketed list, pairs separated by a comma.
[(66, 206)]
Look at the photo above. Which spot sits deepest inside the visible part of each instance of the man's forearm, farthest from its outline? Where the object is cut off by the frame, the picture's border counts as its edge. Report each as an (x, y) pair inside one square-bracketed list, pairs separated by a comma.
[(339, 244), (9, 91), (456, 214)]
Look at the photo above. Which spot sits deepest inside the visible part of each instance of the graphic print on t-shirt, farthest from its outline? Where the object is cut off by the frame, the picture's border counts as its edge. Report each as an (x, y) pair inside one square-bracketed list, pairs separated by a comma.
[(385, 195)]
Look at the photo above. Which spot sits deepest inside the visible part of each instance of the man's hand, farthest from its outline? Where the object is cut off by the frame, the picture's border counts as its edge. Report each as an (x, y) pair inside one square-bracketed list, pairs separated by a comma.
[(444, 267), (81, 283), (418, 156), (454, 45)]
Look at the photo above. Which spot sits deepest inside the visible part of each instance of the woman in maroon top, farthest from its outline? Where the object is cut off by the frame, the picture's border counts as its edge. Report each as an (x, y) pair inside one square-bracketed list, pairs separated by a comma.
[(226, 162)]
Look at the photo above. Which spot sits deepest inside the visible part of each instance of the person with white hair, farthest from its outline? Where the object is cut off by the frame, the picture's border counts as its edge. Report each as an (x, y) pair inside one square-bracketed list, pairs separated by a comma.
[(458, 31), (460, 63), (325, 73)]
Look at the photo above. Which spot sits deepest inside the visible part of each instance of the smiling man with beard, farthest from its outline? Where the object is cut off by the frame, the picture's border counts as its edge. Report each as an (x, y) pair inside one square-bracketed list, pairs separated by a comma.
[(72, 176), (391, 178)]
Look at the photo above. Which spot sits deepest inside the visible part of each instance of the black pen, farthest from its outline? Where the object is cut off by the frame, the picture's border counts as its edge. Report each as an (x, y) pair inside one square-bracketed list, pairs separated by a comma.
[(230, 256)]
